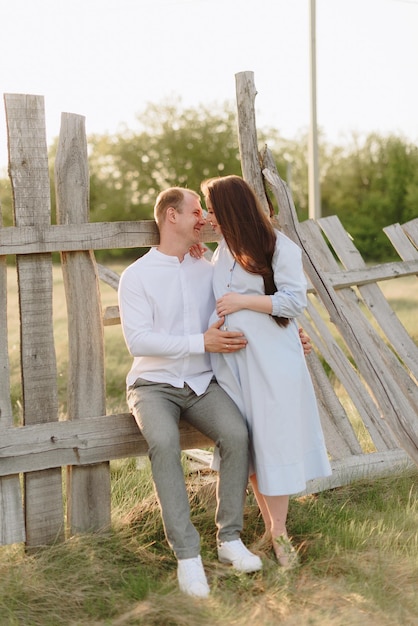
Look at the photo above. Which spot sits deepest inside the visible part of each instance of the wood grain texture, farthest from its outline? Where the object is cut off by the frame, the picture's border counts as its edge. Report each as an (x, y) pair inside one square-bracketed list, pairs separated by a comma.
[(29, 175), (80, 442), (84, 236), (89, 487), (12, 527)]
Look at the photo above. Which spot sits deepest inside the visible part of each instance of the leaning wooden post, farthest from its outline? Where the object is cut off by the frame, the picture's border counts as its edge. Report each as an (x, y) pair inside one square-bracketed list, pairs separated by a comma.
[(88, 487), (29, 174), (247, 135)]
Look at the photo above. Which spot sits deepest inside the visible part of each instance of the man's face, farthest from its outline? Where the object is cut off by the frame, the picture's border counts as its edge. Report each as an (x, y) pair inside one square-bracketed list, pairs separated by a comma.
[(191, 220)]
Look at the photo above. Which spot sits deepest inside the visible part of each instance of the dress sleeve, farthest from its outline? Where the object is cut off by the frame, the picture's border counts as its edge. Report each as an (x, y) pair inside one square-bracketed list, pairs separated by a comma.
[(290, 298)]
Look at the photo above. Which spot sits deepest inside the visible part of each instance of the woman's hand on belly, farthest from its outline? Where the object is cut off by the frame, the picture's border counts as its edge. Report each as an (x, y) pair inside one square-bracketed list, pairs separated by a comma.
[(232, 302)]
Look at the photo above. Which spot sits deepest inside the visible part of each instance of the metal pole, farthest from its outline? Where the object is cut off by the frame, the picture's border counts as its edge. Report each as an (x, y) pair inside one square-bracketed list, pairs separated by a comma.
[(313, 166)]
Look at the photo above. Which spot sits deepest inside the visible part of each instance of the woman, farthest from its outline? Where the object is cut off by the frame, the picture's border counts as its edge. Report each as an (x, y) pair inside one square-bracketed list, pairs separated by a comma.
[(260, 288)]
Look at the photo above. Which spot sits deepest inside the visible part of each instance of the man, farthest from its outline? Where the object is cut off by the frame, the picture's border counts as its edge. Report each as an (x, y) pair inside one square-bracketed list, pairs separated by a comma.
[(165, 301)]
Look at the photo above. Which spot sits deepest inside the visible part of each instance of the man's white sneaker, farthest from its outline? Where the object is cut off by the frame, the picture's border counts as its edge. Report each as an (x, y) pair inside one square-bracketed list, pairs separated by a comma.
[(192, 577), (236, 554)]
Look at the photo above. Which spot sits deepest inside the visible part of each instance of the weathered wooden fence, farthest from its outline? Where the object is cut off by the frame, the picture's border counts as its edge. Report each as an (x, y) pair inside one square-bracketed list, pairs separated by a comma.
[(377, 367)]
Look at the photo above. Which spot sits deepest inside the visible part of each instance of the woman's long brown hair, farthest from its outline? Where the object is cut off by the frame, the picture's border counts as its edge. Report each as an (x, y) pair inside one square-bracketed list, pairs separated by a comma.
[(247, 229)]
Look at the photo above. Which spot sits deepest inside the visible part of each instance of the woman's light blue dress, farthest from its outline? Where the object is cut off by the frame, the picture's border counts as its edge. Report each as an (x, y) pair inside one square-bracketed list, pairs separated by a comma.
[(269, 380)]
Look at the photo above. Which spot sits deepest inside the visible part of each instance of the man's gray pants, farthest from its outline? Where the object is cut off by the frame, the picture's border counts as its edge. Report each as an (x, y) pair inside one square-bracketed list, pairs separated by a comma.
[(157, 408)]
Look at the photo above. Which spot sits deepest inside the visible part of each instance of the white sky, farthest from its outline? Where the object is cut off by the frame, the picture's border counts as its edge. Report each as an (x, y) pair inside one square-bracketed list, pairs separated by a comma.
[(106, 59)]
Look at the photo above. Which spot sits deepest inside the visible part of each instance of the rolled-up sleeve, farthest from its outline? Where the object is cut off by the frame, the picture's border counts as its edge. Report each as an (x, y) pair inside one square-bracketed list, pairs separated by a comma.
[(290, 299)]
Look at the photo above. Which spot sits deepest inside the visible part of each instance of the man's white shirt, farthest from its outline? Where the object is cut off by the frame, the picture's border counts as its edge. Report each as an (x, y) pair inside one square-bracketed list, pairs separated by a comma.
[(165, 306)]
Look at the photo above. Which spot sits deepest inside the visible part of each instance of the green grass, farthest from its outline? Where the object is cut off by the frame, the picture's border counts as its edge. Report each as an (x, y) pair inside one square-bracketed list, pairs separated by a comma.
[(358, 547), (358, 544)]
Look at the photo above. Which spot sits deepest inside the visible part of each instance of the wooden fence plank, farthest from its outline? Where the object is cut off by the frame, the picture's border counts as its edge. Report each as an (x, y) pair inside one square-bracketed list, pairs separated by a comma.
[(28, 167), (401, 241), (338, 431), (88, 236), (365, 466), (88, 488), (12, 527), (80, 442), (247, 135), (72, 237), (367, 275), (411, 229)]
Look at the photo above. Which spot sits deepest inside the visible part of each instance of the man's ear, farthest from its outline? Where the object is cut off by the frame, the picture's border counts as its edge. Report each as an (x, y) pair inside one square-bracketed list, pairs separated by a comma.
[(171, 214)]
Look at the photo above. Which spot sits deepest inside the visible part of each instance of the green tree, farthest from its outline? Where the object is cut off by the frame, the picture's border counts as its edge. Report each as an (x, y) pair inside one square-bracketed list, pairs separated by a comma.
[(370, 186), (171, 147)]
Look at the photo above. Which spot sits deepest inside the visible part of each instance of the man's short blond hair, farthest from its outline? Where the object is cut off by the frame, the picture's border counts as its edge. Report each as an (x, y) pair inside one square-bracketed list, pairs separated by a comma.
[(172, 197)]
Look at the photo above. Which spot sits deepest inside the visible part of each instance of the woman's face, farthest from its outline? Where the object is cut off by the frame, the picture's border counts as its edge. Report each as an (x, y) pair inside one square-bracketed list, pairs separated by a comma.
[(211, 217)]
